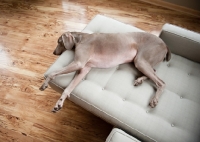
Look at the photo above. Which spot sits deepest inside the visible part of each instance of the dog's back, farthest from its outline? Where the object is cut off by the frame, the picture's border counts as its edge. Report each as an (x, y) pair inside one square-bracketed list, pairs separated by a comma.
[(111, 49)]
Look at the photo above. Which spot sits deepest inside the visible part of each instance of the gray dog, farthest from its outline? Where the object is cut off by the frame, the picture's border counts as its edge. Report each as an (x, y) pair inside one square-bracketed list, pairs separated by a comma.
[(105, 50)]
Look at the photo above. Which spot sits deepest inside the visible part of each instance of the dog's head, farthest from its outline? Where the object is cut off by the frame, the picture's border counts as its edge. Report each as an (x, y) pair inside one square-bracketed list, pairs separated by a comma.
[(65, 42)]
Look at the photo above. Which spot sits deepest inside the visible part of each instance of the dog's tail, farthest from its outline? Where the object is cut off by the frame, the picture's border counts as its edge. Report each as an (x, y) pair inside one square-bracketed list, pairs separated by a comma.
[(168, 55)]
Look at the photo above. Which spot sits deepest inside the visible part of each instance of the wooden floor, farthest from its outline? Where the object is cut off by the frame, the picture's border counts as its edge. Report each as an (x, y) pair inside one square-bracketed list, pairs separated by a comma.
[(28, 34)]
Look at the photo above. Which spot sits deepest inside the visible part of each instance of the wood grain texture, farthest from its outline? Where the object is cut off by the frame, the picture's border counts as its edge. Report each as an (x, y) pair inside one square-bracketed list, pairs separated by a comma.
[(176, 7), (28, 34)]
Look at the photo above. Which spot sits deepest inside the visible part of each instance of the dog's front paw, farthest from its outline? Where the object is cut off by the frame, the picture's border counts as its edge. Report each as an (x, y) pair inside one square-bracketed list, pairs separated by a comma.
[(43, 87), (58, 105), (153, 103)]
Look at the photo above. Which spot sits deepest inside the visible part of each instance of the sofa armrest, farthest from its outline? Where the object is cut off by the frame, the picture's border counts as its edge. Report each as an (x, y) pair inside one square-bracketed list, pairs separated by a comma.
[(118, 135), (182, 42)]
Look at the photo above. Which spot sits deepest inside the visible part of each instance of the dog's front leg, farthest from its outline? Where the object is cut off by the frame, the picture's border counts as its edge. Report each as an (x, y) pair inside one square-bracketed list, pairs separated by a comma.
[(78, 77), (74, 66)]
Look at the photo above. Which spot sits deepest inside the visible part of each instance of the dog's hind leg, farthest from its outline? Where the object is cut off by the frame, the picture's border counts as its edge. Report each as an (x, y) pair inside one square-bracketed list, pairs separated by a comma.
[(144, 67), (140, 80)]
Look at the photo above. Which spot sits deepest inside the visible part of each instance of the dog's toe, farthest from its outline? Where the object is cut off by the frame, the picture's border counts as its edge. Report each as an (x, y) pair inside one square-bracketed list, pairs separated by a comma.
[(43, 87), (59, 107), (153, 103), (55, 109), (136, 83)]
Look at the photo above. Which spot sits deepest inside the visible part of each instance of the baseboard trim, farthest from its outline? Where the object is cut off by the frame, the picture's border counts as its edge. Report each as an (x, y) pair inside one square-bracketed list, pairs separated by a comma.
[(174, 7)]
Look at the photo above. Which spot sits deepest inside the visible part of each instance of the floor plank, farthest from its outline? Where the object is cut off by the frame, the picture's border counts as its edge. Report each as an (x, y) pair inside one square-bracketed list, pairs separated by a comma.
[(28, 35)]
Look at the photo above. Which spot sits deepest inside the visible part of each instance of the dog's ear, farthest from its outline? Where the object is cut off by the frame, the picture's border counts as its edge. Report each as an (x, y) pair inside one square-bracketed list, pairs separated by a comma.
[(68, 40)]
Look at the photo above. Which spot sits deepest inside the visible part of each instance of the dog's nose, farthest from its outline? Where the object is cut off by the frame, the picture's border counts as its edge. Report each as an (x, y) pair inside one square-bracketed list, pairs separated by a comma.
[(54, 53)]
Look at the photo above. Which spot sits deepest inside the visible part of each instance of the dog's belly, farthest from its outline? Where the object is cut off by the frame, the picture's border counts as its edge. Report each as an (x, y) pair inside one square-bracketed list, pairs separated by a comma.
[(107, 61), (109, 50)]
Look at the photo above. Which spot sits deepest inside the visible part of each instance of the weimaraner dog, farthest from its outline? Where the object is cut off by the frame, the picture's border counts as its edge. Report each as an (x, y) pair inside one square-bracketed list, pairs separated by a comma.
[(105, 50)]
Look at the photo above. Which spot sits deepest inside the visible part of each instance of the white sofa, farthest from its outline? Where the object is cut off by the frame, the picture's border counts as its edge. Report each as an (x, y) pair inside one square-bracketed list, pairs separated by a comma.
[(110, 94)]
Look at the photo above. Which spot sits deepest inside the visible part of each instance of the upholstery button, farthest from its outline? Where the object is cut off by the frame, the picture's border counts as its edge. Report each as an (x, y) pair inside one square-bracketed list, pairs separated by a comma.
[(189, 74), (83, 79), (172, 125), (147, 111), (102, 88), (181, 97), (124, 99), (168, 65)]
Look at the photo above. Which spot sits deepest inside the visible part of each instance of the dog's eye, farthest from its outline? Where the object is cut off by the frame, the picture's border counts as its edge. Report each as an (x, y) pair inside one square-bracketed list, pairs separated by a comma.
[(59, 40), (60, 43)]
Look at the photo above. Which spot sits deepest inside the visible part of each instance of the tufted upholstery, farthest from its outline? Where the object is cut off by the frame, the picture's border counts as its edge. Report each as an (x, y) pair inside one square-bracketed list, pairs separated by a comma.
[(110, 94)]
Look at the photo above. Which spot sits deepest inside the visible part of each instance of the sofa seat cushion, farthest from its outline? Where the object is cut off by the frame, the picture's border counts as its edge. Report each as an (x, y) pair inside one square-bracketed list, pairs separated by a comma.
[(110, 94), (117, 135)]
